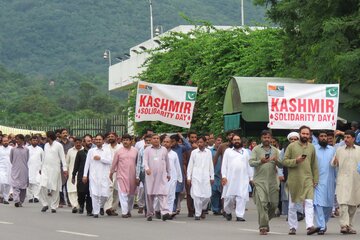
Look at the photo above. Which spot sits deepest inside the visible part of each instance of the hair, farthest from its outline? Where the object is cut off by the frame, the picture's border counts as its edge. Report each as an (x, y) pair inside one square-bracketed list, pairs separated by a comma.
[(99, 134), (58, 131), (111, 133), (87, 135), (350, 132), (34, 137), (175, 137), (51, 135), (76, 139), (230, 132), (201, 137), (265, 132), (162, 137), (127, 136), (304, 127), (63, 129), (355, 124), (147, 136), (191, 132), (322, 131), (330, 133), (20, 136)]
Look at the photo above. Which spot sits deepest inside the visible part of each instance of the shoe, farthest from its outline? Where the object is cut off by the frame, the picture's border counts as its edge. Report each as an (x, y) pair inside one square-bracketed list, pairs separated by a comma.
[(197, 218), (6, 202), (74, 210), (321, 232), (53, 211), (217, 213), (263, 231), (343, 230), (135, 206), (228, 217), (267, 229), (166, 217), (113, 213), (96, 216), (1, 200), (17, 204), (31, 200), (102, 211), (312, 230), (44, 209), (149, 218), (11, 198), (157, 215), (292, 231), (141, 210), (240, 219), (300, 216), (89, 214), (36, 200), (172, 216), (177, 211), (124, 216), (20, 204), (203, 214), (190, 215), (81, 210), (350, 230), (108, 212)]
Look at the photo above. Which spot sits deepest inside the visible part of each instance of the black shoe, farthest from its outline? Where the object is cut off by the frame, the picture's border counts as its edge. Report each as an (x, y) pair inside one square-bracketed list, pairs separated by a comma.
[(74, 210), (89, 214), (190, 215), (292, 231), (102, 211), (36, 200), (166, 217), (321, 232), (312, 230), (157, 215), (17, 204), (96, 216), (217, 213), (44, 209), (240, 219), (53, 211), (197, 218), (31, 200), (149, 218), (6, 202), (81, 210), (228, 217)]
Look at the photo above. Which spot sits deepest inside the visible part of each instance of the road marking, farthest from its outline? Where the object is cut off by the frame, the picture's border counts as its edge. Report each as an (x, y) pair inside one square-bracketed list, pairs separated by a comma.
[(170, 221), (253, 230), (7, 223), (77, 233)]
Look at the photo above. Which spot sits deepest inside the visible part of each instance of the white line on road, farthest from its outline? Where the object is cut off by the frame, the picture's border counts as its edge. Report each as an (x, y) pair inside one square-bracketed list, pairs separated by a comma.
[(253, 230), (170, 221), (77, 233), (7, 223)]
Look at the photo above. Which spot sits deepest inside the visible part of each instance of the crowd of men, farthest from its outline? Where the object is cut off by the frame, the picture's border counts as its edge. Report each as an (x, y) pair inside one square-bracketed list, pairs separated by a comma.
[(312, 176)]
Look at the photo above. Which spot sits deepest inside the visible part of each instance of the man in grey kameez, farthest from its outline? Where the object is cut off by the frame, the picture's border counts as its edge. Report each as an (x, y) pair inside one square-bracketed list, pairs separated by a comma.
[(19, 157)]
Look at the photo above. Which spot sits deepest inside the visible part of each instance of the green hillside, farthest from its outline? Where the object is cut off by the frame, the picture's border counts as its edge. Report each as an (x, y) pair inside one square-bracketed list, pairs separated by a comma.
[(48, 37)]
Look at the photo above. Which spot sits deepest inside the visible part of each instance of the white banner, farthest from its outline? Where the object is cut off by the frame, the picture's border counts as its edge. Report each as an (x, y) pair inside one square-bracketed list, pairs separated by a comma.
[(166, 103), (292, 105)]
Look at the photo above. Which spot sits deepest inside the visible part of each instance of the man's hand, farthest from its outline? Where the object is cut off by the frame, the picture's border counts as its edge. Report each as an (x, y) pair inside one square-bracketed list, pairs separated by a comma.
[(148, 172), (274, 159), (315, 184), (40, 172), (223, 181), (168, 178), (336, 162), (212, 181), (66, 174), (137, 182), (265, 160), (281, 178), (85, 180), (73, 180), (110, 176), (300, 159), (97, 157)]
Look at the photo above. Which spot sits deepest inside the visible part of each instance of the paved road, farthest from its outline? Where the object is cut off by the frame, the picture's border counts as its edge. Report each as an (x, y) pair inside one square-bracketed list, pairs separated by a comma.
[(29, 223)]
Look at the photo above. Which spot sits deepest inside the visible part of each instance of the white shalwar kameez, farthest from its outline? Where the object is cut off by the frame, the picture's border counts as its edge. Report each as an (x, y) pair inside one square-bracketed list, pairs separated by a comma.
[(34, 164), (50, 180), (71, 188), (200, 171), (5, 172), (99, 182), (236, 169), (175, 176)]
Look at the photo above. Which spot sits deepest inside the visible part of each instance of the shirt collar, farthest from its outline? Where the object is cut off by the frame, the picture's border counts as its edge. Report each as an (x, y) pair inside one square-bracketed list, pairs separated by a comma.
[(351, 147)]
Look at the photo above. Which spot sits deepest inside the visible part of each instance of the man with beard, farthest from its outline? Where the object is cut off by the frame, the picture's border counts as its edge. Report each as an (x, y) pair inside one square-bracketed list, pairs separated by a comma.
[(36, 155), (82, 189), (264, 158), (303, 176), (236, 176), (5, 170), (325, 190), (347, 159)]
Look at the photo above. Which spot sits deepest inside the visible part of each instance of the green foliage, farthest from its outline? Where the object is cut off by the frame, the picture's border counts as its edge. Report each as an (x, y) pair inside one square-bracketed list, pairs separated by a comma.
[(208, 59)]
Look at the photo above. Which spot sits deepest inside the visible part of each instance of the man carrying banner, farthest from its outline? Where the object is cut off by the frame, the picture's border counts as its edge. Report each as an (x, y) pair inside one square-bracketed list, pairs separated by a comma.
[(303, 176)]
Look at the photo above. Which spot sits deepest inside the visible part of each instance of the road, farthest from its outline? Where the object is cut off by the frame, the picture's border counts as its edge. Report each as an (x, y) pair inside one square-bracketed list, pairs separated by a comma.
[(29, 223)]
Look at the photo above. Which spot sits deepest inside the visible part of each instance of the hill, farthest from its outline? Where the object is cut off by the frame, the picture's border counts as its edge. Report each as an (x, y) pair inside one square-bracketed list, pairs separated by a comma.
[(48, 37)]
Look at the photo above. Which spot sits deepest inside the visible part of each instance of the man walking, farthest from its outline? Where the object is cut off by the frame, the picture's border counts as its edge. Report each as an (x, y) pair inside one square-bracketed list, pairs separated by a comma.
[(5, 170), (36, 156), (264, 159)]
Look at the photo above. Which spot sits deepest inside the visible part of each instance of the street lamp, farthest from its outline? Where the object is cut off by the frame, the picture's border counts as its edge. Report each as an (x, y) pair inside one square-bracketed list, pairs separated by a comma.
[(151, 20), (107, 55), (242, 13)]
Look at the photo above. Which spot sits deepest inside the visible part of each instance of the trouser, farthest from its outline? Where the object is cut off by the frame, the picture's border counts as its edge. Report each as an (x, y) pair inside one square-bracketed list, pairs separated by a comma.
[(64, 195), (216, 201), (85, 197), (126, 202), (266, 211), (172, 195), (19, 194), (73, 198), (189, 200), (200, 204), (309, 213), (239, 203), (113, 200), (322, 216), (97, 203), (49, 197), (33, 191), (141, 196), (5, 191), (347, 213), (150, 204)]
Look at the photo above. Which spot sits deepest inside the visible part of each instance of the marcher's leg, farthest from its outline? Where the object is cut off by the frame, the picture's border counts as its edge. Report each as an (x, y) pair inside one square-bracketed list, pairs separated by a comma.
[(16, 194), (43, 197), (309, 213), (240, 207), (262, 210), (198, 206), (216, 201), (344, 218), (205, 203), (124, 203), (352, 211), (6, 191), (292, 217), (54, 199), (229, 204), (116, 200), (150, 205), (141, 196), (189, 201), (164, 207), (73, 199), (319, 217), (81, 199), (96, 204), (327, 214), (22, 195), (88, 203)]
